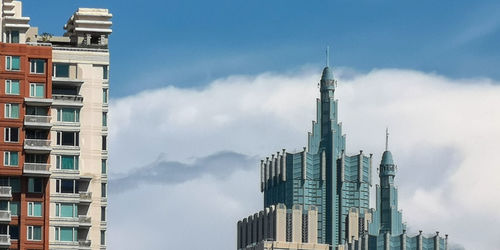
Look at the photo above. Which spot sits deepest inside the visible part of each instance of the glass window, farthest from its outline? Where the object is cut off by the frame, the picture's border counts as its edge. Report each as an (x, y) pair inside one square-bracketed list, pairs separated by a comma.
[(67, 186), (4, 205), (69, 162), (68, 115), (67, 210), (61, 70), (10, 158), (15, 183), (14, 208), (35, 185), (14, 232), (104, 119), (12, 36), (104, 166), (34, 233), (67, 138), (103, 237), (11, 110), (103, 190), (105, 72), (103, 213), (104, 96), (104, 143), (37, 90), (12, 63), (66, 234), (35, 209), (12, 87), (37, 66), (11, 134)]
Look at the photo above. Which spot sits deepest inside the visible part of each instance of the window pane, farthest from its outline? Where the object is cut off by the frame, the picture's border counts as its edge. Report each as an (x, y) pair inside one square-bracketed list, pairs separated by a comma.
[(62, 70), (67, 210), (15, 183), (68, 162), (37, 209), (68, 115), (14, 208), (37, 233), (15, 63), (14, 36), (40, 66), (103, 166), (14, 232), (66, 234), (14, 158), (67, 186), (4, 205), (39, 90)]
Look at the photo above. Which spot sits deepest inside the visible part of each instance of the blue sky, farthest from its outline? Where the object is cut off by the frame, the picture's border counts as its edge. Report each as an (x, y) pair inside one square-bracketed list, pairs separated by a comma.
[(191, 43)]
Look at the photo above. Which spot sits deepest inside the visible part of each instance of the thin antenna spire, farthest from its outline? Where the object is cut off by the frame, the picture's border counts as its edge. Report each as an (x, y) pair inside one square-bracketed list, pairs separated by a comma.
[(327, 56), (386, 139)]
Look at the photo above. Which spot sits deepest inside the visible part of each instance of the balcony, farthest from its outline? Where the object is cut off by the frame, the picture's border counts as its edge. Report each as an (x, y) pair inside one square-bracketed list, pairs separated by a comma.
[(69, 100), (37, 145), (36, 169), (85, 221), (4, 240), (37, 121), (5, 216), (66, 81), (84, 244), (37, 101), (86, 197), (5, 192)]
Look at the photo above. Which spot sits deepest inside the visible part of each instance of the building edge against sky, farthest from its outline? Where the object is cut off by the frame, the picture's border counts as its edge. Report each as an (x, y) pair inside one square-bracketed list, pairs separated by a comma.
[(337, 187), (53, 176)]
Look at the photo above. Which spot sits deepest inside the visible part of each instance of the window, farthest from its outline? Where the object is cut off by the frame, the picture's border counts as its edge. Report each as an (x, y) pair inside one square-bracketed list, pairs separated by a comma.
[(68, 115), (35, 185), (12, 36), (34, 233), (103, 213), (105, 96), (103, 190), (15, 183), (103, 237), (11, 134), (12, 87), (104, 119), (67, 138), (10, 158), (14, 208), (14, 232), (69, 162), (67, 210), (104, 146), (12, 63), (37, 66), (104, 166), (35, 209), (66, 186), (37, 90), (11, 110), (66, 234), (105, 72), (61, 70)]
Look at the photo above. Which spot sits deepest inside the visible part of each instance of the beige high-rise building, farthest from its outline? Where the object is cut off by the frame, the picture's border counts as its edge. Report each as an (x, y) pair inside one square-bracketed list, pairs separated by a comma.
[(56, 184), (277, 227)]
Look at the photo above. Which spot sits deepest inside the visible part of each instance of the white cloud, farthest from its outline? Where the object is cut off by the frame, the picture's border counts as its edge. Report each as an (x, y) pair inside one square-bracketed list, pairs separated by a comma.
[(443, 129)]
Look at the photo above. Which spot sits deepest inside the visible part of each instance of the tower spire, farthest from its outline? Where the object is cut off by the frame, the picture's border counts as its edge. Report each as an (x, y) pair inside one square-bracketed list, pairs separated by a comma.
[(327, 56), (386, 139)]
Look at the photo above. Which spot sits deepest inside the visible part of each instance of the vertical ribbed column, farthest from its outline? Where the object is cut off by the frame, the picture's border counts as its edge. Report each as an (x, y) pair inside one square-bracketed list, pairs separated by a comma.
[(304, 164), (278, 167), (262, 175), (273, 170), (446, 242), (370, 170), (419, 240), (436, 241), (281, 222), (387, 241), (342, 166), (323, 165), (403, 240), (283, 164), (297, 223), (360, 166)]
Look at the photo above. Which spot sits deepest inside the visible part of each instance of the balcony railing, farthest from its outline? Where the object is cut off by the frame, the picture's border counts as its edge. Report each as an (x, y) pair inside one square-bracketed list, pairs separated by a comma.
[(84, 243), (37, 144), (5, 216), (37, 120), (36, 168), (5, 192), (83, 219), (70, 98), (4, 240), (86, 196)]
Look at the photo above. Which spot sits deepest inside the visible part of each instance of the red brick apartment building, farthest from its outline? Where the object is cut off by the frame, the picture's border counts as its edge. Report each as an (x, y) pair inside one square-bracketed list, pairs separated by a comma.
[(25, 100)]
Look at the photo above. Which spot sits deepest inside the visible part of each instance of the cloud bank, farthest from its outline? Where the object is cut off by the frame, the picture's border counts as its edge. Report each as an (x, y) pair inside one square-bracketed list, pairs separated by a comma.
[(444, 138)]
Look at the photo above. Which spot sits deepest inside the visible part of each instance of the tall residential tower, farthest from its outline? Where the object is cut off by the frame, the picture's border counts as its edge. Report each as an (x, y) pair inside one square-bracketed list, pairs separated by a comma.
[(54, 98)]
